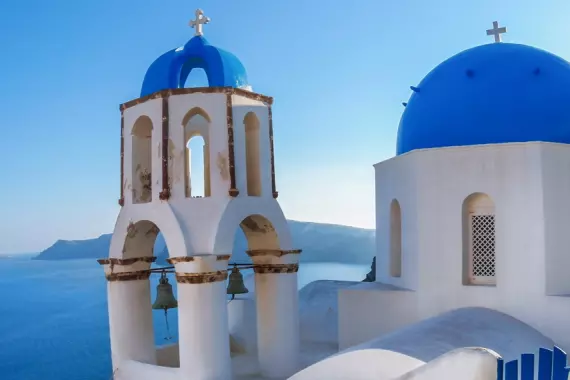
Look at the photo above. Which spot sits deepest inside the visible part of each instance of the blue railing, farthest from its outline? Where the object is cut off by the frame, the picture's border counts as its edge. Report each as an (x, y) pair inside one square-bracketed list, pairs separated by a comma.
[(552, 365)]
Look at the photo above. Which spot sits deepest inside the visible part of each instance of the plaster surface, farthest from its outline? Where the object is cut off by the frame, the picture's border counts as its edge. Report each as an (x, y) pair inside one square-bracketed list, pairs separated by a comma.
[(467, 327), (532, 210)]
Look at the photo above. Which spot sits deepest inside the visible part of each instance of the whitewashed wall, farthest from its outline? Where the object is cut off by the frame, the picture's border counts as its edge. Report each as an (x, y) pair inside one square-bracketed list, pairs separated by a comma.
[(528, 184)]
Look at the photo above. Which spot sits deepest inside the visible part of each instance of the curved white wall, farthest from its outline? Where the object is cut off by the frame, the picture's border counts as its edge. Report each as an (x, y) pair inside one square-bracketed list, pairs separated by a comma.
[(369, 364)]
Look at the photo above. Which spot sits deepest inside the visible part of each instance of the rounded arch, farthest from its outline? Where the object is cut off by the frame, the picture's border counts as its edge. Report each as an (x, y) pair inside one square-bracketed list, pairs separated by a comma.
[(197, 133), (143, 223), (142, 127), (478, 200), (264, 226), (251, 121), (478, 240), (252, 154), (141, 160), (395, 239)]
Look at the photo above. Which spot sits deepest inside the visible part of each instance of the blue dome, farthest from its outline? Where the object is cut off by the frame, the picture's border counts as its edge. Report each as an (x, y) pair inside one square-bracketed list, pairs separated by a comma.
[(171, 69), (495, 93)]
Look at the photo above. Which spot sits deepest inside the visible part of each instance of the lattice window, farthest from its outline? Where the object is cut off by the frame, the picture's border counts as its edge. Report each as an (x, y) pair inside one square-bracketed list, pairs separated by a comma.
[(482, 247)]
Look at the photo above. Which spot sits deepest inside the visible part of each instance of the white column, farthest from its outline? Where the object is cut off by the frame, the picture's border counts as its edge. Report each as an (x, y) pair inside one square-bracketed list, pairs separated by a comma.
[(130, 321), (203, 333), (277, 301)]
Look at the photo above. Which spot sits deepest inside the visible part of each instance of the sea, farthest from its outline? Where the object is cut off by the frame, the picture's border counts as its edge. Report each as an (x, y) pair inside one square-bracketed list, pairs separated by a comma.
[(54, 323)]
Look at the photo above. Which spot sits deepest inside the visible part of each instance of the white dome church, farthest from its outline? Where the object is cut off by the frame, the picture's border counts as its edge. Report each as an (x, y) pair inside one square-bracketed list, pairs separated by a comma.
[(473, 210), (471, 225)]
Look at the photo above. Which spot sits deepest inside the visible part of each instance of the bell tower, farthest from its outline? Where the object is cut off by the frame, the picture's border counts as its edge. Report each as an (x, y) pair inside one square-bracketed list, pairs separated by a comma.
[(198, 214)]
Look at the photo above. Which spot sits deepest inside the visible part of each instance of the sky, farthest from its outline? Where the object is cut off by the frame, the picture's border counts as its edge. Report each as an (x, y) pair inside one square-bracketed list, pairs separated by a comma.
[(338, 71)]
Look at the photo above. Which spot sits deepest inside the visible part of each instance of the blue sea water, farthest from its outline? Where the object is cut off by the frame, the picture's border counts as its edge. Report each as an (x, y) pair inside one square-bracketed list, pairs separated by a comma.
[(53, 317)]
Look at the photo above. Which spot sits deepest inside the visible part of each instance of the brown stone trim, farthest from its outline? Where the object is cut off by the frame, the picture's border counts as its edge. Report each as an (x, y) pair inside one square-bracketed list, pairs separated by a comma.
[(291, 251), (272, 252), (272, 151), (180, 259), (187, 259), (128, 276), (132, 260), (201, 278), (198, 90), (275, 268), (122, 198), (231, 153), (165, 193)]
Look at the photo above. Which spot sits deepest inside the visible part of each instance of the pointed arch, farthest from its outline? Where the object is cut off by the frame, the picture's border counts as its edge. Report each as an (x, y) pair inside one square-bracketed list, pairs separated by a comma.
[(252, 154), (141, 160), (196, 124), (478, 225), (395, 239)]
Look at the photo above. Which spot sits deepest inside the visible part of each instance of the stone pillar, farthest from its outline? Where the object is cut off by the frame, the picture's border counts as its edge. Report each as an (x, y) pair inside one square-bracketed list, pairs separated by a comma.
[(203, 335), (277, 302), (130, 311)]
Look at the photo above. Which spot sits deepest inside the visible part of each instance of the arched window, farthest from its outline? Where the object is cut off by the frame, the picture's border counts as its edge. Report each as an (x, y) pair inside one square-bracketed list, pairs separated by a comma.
[(197, 153), (253, 169), (395, 239), (479, 240), (141, 138)]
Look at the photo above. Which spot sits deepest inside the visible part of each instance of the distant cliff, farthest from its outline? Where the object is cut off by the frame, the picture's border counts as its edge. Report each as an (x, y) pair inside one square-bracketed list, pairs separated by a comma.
[(320, 242)]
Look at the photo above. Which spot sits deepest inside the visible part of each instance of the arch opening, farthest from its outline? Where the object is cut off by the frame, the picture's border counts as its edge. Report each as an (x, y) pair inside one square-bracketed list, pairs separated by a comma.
[(141, 162), (197, 153), (145, 239), (255, 232), (395, 239), (196, 77), (252, 154), (479, 240)]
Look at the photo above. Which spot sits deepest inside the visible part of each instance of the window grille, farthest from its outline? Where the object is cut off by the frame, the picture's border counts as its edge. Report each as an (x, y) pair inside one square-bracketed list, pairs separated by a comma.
[(482, 244)]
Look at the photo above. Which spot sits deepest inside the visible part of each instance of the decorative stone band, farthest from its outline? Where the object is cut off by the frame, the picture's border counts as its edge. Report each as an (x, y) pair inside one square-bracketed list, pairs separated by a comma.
[(201, 278), (128, 276), (187, 259), (198, 90), (131, 261), (273, 252), (275, 268)]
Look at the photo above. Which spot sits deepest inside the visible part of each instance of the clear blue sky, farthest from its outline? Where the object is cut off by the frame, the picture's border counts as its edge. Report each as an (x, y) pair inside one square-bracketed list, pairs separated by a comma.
[(338, 70)]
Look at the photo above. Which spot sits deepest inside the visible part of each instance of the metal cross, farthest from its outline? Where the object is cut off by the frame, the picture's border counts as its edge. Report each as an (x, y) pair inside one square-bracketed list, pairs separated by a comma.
[(200, 20), (496, 31)]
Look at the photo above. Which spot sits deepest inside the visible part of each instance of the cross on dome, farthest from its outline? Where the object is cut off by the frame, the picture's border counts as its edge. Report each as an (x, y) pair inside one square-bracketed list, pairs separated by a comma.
[(199, 21), (496, 31)]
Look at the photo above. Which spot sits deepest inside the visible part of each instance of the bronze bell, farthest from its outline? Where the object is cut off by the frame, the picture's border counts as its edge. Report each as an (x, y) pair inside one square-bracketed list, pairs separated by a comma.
[(236, 285), (164, 296)]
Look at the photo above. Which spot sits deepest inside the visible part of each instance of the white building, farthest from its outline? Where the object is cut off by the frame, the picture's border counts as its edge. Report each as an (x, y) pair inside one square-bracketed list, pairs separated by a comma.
[(158, 194), (472, 213), (474, 210)]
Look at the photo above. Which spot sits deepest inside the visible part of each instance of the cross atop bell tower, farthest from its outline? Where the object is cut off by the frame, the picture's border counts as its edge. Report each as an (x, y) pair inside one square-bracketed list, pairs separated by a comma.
[(199, 21)]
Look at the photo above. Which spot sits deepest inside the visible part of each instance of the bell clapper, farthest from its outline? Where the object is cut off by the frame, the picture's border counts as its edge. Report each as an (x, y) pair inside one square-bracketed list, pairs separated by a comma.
[(168, 337)]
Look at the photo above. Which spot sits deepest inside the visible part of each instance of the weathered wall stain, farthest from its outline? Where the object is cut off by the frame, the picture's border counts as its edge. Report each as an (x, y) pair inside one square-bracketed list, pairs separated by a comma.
[(176, 161), (252, 225), (223, 166), (145, 178)]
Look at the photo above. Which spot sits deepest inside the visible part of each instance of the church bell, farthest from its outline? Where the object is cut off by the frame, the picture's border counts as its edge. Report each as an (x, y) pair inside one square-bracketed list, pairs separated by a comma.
[(164, 296), (235, 284)]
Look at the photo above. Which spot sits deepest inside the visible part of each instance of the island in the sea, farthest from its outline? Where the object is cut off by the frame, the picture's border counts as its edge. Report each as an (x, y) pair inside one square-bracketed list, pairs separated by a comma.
[(320, 243)]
